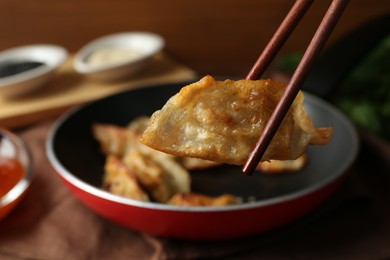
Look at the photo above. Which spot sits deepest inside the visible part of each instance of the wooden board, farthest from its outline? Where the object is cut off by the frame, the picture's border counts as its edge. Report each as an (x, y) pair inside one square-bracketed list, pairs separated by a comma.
[(68, 88)]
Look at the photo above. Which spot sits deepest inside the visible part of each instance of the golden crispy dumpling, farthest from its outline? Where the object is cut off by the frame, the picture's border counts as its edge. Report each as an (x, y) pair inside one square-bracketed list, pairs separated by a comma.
[(112, 138), (160, 177), (277, 166), (196, 199), (159, 173), (119, 180), (222, 120), (191, 163)]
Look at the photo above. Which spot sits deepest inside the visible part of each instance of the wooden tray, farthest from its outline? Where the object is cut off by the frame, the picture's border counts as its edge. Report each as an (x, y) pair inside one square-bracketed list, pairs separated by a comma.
[(67, 88)]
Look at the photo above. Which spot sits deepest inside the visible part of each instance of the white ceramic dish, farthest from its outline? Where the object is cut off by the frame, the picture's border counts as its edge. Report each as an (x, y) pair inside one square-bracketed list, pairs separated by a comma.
[(145, 44), (52, 56)]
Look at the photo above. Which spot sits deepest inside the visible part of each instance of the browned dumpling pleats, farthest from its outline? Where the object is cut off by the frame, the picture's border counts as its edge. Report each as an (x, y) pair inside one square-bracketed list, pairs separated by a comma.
[(222, 120)]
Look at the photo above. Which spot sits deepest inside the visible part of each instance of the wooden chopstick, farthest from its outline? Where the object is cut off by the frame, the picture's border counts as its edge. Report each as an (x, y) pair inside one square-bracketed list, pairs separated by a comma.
[(317, 43), (279, 38)]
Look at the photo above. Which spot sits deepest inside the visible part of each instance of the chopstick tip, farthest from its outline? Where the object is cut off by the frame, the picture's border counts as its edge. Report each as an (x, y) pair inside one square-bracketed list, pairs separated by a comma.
[(251, 164)]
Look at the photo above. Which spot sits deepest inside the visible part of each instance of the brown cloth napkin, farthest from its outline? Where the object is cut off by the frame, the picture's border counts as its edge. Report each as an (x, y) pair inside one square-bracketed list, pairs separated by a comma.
[(50, 223)]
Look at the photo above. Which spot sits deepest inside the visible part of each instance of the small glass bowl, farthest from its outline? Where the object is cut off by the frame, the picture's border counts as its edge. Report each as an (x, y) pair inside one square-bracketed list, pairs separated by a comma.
[(16, 170)]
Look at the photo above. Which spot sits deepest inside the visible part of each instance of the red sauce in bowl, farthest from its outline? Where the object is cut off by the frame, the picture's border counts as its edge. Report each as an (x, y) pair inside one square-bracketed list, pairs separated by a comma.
[(11, 172)]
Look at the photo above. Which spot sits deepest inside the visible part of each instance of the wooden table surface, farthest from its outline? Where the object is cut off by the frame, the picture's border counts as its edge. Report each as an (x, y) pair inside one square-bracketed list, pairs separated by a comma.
[(219, 37)]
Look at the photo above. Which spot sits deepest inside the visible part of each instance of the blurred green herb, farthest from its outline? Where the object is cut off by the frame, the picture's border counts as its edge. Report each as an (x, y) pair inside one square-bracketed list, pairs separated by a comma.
[(288, 62), (364, 96)]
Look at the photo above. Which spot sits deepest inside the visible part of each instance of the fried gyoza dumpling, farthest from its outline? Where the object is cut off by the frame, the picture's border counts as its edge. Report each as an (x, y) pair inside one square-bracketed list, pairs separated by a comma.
[(112, 138), (277, 166), (159, 173), (196, 199), (222, 120), (191, 163), (119, 180)]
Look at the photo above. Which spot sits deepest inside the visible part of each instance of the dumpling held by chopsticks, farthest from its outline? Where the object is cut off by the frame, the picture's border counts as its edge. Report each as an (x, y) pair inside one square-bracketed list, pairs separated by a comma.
[(222, 120)]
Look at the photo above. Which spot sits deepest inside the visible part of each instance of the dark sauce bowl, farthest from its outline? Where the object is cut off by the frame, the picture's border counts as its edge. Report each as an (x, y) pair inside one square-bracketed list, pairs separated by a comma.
[(25, 69)]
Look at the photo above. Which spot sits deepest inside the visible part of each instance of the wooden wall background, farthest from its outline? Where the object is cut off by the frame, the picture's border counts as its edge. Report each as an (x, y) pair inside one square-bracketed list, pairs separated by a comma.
[(217, 37)]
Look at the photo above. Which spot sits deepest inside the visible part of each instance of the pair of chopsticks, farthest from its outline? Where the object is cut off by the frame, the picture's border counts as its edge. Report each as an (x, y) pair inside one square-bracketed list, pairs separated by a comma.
[(317, 43)]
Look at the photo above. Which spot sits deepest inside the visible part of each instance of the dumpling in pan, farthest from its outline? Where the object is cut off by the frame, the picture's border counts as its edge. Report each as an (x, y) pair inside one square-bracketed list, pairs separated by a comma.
[(222, 120)]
